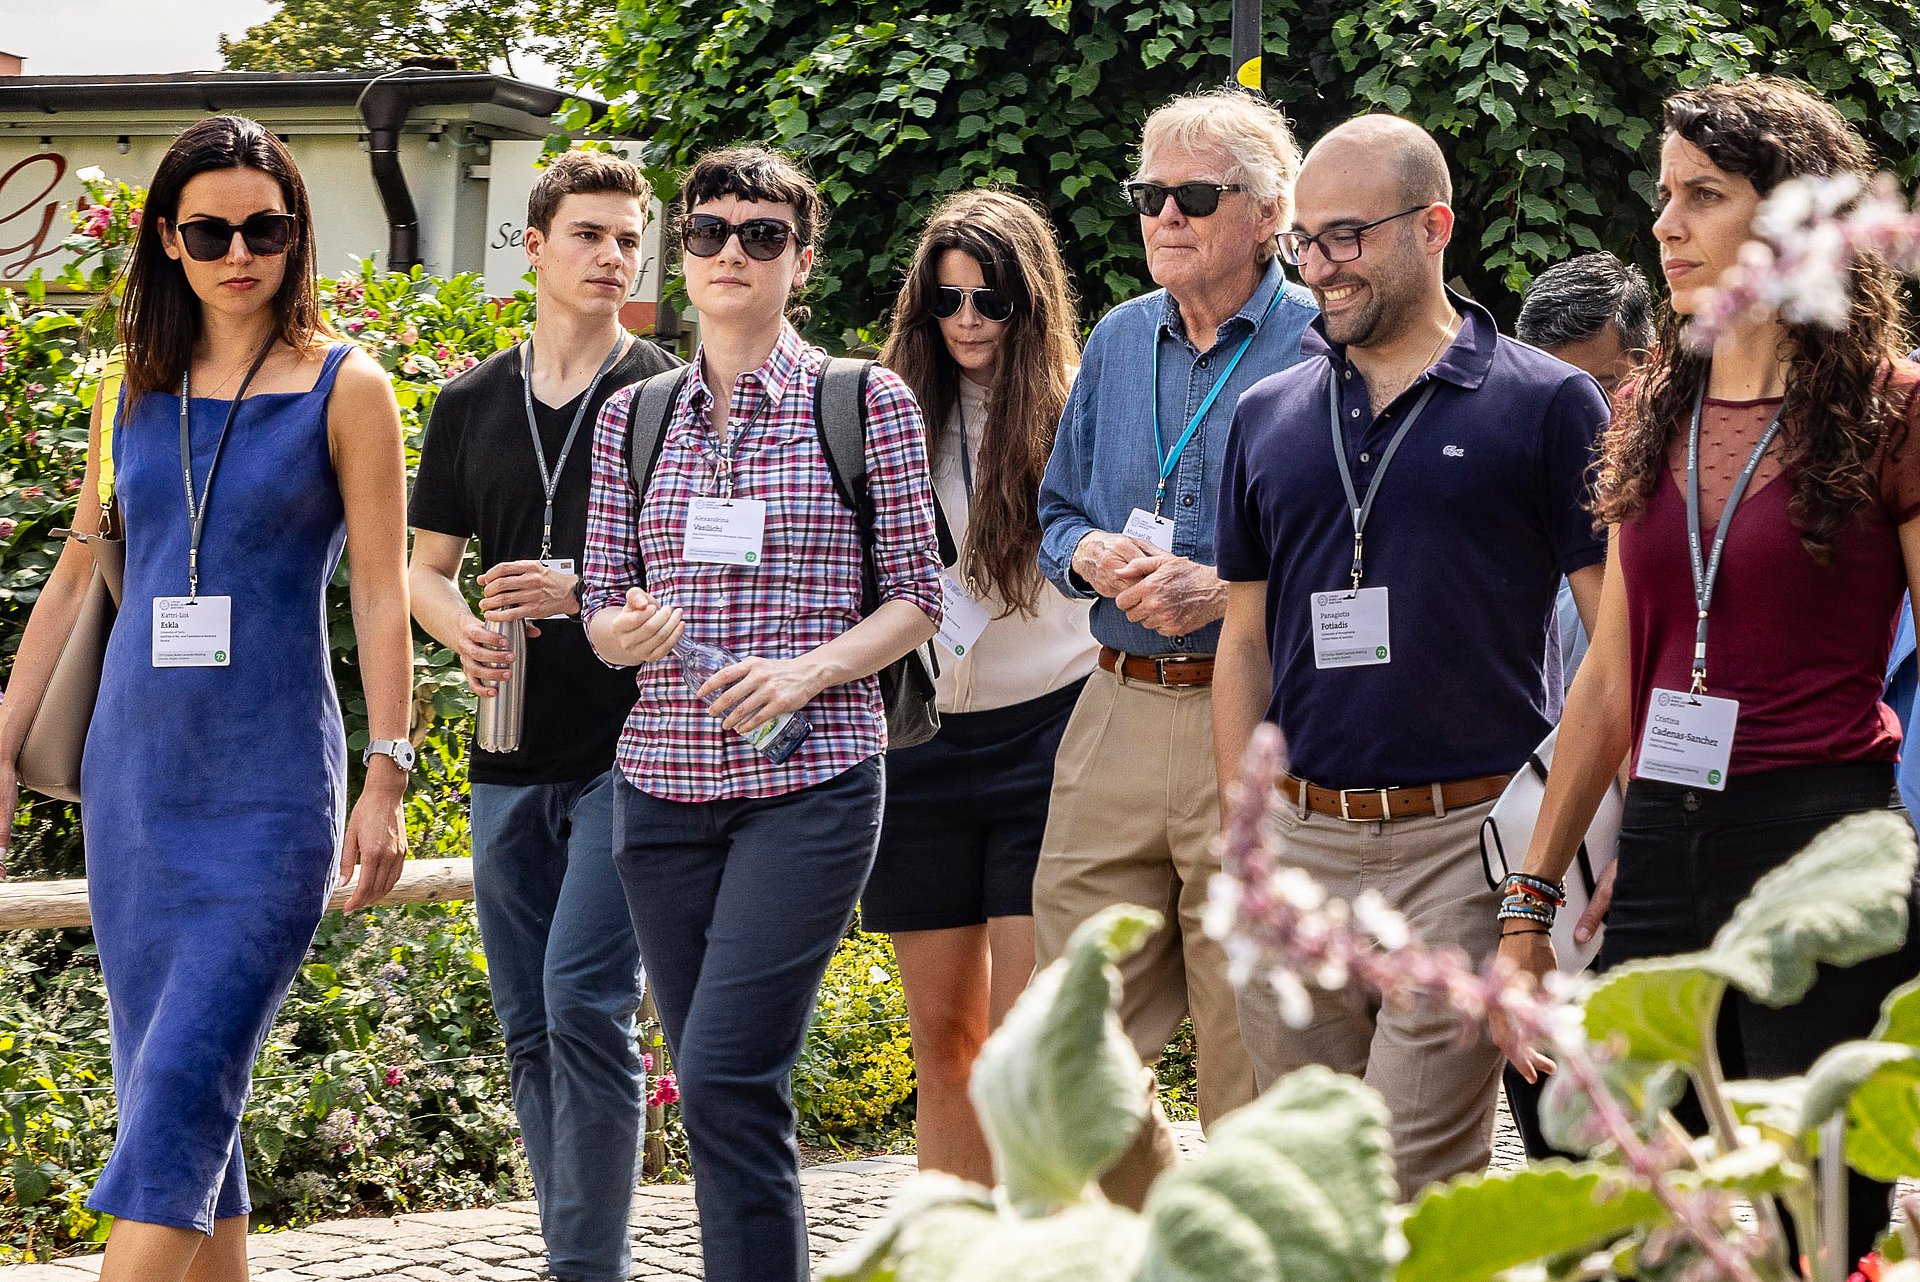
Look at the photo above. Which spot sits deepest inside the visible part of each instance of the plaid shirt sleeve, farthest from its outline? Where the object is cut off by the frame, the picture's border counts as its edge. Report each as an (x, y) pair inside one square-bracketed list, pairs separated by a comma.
[(906, 548), (611, 564)]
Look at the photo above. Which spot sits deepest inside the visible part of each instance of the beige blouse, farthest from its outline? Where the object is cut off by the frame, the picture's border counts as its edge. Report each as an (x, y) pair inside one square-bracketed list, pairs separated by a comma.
[(1018, 657)]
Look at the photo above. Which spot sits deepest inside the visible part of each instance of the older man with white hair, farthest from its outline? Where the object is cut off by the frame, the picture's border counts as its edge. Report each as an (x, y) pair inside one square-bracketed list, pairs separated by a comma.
[(1127, 510)]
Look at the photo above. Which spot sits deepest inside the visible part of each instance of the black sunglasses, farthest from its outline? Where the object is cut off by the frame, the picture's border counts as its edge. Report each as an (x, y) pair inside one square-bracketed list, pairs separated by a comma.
[(207, 240), (762, 239), (1196, 200), (988, 304)]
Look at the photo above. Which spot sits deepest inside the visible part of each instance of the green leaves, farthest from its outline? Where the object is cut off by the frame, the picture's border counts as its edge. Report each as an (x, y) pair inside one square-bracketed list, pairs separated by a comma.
[(1059, 1088), (1297, 1185), (1472, 1230)]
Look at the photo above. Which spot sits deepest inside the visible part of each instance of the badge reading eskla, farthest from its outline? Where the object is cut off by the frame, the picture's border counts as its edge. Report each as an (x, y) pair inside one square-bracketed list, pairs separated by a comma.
[(725, 531), (962, 619), (1349, 627), (1144, 527), (190, 633), (1688, 739)]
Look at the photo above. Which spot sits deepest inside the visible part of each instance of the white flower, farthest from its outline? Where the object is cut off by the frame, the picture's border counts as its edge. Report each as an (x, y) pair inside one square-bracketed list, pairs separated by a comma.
[(1223, 906), (878, 975), (1297, 889), (1242, 956), (1382, 922), (91, 174), (1296, 1004), (1332, 975)]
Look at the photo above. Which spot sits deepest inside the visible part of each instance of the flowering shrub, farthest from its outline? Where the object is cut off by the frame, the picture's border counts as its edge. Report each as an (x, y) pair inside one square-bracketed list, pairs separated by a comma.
[(1300, 1183), (855, 1073)]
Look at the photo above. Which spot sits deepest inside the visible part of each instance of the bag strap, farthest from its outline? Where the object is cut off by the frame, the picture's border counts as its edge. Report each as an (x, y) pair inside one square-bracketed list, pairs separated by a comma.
[(648, 413), (112, 380), (840, 418)]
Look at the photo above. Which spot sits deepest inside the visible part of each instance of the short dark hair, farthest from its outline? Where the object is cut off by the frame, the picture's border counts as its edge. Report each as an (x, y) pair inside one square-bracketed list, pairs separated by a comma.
[(757, 173), (1582, 296), (582, 173)]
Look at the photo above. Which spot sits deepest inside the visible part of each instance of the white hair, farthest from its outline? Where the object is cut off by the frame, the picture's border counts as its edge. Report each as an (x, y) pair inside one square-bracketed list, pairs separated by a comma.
[(1250, 132)]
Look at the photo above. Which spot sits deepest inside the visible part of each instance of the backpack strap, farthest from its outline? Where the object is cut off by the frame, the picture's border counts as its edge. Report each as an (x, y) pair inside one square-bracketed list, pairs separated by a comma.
[(648, 413), (840, 418)]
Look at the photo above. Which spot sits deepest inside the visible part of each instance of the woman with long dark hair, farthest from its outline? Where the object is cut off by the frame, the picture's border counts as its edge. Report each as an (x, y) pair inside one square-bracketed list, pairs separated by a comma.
[(984, 335), (1750, 698), (214, 778), (742, 837)]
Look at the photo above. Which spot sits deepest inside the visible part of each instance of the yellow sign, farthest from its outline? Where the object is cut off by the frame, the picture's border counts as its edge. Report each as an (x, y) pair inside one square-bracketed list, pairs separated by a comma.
[(1249, 73)]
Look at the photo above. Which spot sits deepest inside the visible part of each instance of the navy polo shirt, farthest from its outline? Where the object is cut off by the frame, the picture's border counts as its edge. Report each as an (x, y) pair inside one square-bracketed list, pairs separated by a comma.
[(1485, 506)]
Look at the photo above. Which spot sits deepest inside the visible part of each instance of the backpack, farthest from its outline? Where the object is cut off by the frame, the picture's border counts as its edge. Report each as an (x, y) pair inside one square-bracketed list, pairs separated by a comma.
[(840, 421)]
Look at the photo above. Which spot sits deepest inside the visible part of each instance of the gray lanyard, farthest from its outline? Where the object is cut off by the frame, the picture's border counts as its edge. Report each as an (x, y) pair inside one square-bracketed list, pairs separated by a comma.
[(725, 441), (550, 481), (1363, 508), (197, 506), (966, 455), (1707, 572)]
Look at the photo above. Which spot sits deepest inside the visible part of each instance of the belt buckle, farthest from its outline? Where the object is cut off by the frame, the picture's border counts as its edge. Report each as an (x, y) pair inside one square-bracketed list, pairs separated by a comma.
[(1160, 662), (1386, 809)]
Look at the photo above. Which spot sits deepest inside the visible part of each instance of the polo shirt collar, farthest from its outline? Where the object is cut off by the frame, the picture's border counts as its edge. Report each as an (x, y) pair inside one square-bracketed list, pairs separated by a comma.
[(1467, 359), (772, 376), (1252, 314)]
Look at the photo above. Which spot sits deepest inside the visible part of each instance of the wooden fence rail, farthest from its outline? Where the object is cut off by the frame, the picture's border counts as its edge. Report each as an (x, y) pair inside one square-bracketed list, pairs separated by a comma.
[(53, 905)]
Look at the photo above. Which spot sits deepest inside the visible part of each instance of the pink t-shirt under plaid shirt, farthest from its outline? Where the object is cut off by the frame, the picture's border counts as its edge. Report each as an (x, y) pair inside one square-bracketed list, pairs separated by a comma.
[(804, 593)]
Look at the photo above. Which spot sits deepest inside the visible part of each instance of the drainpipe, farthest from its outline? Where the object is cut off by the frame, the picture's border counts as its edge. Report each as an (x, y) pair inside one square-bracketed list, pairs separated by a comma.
[(384, 106)]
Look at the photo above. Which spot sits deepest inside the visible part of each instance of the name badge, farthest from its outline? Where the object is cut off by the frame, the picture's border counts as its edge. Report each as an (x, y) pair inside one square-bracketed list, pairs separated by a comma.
[(963, 619), (1144, 527), (1349, 628), (192, 634), (1688, 739), (725, 531), (564, 564)]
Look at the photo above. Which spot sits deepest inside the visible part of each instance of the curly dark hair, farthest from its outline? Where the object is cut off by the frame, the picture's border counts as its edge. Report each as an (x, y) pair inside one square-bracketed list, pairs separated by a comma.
[(1838, 412)]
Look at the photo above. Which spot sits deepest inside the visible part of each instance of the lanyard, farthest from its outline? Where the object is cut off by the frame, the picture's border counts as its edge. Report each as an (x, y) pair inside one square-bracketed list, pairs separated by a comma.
[(966, 455), (550, 481), (197, 506), (1705, 574), (1171, 459), (1363, 508)]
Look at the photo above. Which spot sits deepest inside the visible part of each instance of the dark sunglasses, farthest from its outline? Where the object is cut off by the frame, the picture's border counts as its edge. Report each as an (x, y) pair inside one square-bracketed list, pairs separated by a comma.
[(762, 239), (1196, 200), (208, 239), (988, 304)]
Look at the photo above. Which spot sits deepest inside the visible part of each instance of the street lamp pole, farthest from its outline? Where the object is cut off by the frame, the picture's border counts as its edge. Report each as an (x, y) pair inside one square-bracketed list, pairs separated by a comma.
[(1246, 45)]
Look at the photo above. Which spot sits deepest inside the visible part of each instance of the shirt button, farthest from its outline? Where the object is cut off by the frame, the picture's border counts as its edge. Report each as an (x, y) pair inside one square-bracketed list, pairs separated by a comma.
[(1349, 375), (1366, 458), (1353, 413), (1186, 500), (1202, 362), (1179, 643)]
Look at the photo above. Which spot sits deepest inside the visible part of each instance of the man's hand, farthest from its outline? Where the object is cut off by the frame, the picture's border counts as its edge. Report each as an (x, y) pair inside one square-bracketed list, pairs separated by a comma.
[(642, 630), (1170, 594), (527, 590), (483, 657), (1099, 557)]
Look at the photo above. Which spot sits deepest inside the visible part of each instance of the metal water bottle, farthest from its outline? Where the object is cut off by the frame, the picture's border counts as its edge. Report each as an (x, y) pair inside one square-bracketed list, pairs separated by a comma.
[(504, 715)]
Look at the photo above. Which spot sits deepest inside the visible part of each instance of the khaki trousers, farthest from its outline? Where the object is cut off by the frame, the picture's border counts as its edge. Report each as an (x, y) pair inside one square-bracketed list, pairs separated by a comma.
[(1439, 1088), (1132, 820)]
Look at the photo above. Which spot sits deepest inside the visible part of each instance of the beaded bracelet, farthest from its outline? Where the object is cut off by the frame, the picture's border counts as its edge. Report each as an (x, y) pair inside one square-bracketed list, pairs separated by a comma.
[(1517, 908), (1527, 883)]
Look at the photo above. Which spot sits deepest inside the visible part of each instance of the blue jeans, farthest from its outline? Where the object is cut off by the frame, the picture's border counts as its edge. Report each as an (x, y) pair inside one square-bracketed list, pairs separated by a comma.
[(739, 904), (565, 975)]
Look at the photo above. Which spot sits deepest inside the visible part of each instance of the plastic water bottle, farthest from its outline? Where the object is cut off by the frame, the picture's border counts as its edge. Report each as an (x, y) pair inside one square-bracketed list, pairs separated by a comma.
[(504, 715), (779, 738)]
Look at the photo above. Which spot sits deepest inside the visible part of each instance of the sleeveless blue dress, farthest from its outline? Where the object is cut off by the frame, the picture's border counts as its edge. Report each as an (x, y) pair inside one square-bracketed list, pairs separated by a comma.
[(215, 797)]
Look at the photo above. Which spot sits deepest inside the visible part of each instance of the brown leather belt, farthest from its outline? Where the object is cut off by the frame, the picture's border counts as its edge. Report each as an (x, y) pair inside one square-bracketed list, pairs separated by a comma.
[(1160, 670), (1371, 805)]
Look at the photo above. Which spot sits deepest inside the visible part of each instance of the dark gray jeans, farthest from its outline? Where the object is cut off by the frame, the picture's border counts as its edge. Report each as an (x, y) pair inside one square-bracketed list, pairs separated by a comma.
[(565, 975), (739, 905)]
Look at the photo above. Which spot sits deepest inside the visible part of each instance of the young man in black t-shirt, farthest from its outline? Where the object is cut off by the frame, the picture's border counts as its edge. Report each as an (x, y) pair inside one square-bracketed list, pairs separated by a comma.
[(506, 456)]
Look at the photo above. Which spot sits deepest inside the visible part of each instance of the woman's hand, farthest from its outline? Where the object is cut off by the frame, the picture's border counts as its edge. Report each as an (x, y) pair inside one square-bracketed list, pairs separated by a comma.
[(641, 630), (1529, 953), (376, 841), (748, 694)]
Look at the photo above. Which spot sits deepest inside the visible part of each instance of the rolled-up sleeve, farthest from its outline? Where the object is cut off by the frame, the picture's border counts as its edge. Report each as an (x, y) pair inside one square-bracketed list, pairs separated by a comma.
[(1063, 517), (906, 554), (611, 563)]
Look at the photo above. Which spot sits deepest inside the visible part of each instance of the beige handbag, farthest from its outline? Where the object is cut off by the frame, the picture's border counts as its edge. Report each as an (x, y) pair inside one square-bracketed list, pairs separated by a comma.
[(49, 760)]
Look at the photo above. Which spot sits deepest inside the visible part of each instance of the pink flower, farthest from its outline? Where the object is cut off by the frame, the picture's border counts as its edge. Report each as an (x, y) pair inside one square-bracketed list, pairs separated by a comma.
[(372, 312), (408, 336), (97, 220), (133, 218), (441, 353), (355, 326), (665, 1091), (31, 436), (410, 366), (646, 1062), (33, 492), (34, 389), (7, 527), (393, 1076)]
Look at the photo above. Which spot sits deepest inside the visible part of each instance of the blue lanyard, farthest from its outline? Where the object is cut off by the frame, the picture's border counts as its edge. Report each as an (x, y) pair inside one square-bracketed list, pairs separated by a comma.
[(1171, 460)]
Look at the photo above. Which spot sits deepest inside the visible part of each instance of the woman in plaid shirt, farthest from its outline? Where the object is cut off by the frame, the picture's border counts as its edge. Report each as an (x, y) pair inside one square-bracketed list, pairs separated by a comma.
[(741, 874)]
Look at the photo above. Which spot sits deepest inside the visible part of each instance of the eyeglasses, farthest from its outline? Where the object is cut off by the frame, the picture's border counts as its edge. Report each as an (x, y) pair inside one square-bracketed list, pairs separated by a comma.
[(208, 239), (1196, 200), (988, 304), (761, 239), (1337, 244)]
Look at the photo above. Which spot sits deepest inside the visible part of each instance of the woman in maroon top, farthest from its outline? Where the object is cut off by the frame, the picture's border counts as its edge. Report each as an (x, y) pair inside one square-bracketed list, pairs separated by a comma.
[(1742, 754)]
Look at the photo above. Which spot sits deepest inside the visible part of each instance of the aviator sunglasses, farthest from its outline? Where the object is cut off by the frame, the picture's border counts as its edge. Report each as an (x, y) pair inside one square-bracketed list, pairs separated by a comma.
[(207, 240), (1196, 200), (762, 239), (988, 304)]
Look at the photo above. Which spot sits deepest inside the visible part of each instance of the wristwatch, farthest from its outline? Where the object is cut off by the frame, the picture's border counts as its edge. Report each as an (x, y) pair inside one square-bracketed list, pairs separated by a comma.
[(399, 749)]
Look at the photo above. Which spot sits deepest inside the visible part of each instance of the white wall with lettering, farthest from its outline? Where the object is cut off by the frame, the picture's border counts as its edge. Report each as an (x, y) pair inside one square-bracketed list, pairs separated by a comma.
[(513, 166)]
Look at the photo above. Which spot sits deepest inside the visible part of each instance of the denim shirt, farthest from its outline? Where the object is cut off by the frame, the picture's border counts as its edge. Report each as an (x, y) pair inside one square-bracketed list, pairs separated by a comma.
[(1105, 462)]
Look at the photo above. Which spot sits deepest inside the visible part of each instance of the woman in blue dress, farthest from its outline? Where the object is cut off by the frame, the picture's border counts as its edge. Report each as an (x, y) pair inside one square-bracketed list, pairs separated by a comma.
[(214, 778)]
